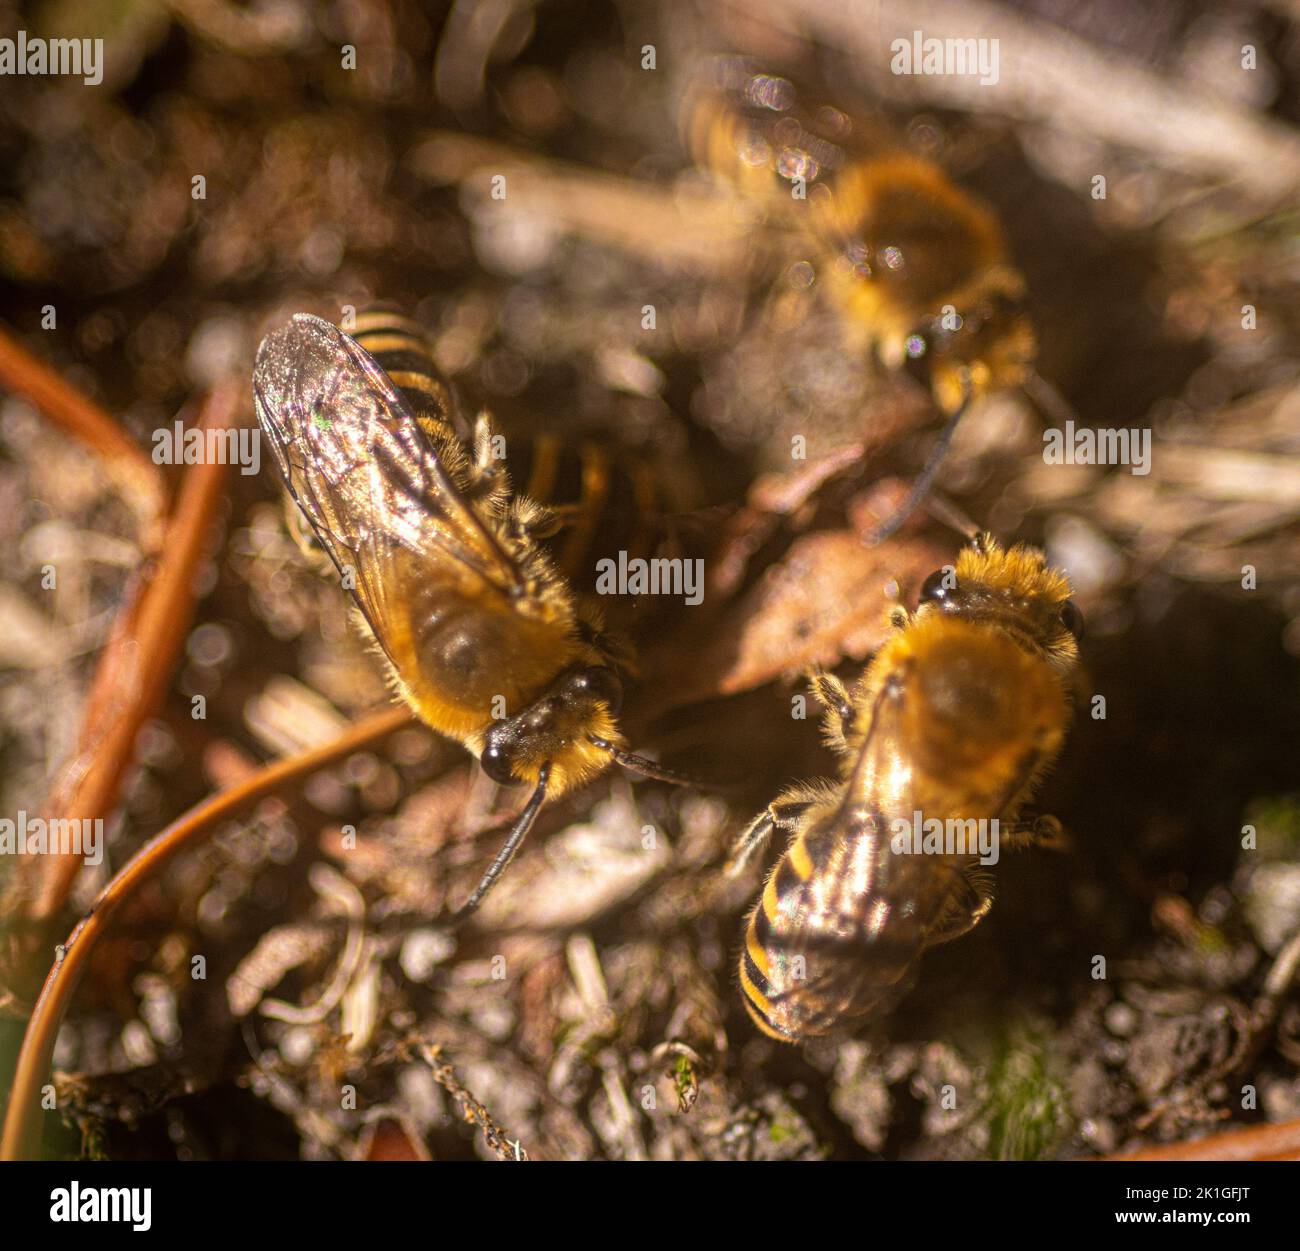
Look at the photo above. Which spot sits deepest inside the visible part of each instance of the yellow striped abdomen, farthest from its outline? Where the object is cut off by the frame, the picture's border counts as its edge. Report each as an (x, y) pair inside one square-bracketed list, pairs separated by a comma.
[(838, 926)]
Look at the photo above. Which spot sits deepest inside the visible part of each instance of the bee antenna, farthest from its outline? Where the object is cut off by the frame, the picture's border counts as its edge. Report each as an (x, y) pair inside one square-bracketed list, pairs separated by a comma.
[(518, 832), (925, 480), (1047, 399), (645, 767)]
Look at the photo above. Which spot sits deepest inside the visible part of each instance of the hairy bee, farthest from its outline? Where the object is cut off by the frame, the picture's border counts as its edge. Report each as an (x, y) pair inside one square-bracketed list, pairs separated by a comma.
[(918, 267), (483, 635), (955, 720)]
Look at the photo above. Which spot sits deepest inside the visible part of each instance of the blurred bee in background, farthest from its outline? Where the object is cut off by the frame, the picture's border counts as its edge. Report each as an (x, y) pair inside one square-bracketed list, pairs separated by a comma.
[(918, 267), (483, 635), (957, 717)]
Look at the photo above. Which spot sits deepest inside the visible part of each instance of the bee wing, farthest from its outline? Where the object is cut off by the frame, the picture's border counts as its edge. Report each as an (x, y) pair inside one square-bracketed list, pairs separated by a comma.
[(885, 775), (359, 466), (883, 790), (881, 782)]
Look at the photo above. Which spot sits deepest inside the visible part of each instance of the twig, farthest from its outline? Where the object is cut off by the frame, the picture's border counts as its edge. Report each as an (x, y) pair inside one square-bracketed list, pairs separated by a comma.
[(473, 1111), (72, 958), (138, 477), (1260, 1142), (705, 232), (133, 672)]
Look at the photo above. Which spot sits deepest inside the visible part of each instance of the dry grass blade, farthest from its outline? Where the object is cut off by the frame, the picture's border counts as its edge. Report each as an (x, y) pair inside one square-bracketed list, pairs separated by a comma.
[(1049, 76), (703, 232)]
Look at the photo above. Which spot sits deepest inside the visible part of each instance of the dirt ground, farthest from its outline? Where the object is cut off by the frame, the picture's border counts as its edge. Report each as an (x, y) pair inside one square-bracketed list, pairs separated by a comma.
[(591, 1010)]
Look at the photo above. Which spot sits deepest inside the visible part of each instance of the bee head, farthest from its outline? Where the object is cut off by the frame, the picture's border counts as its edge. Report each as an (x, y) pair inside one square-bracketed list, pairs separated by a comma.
[(981, 341), (557, 727), (1015, 587)]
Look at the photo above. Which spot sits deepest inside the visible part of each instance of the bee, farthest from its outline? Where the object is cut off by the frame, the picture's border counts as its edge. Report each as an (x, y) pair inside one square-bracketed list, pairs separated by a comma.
[(482, 634), (919, 268), (957, 717)]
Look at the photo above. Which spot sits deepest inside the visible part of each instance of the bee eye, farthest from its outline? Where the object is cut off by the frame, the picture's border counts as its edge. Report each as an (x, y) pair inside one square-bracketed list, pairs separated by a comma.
[(1072, 619), (935, 589), (496, 764)]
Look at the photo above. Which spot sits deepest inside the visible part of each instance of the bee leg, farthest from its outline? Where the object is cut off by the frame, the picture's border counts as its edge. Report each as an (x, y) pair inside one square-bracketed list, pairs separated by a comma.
[(487, 471), (783, 815), (833, 695), (485, 461), (530, 520), (1045, 831), (924, 480), (967, 907)]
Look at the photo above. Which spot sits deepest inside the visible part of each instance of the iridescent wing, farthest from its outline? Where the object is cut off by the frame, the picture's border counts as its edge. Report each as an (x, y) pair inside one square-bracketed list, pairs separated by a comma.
[(385, 507), (888, 792)]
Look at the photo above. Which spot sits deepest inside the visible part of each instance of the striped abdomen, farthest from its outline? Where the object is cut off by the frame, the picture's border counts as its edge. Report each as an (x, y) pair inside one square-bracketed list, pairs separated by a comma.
[(400, 347), (839, 924), (606, 500)]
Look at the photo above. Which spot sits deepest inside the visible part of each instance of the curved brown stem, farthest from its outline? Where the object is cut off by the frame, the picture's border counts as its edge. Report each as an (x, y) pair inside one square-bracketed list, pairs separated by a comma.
[(1259, 1142), (63, 404), (19, 1139), (134, 669)]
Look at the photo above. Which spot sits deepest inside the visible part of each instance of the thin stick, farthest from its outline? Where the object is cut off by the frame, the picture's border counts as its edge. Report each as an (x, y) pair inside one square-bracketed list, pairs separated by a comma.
[(473, 1111), (1259, 1142), (139, 478), (135, 667), (72, 958)]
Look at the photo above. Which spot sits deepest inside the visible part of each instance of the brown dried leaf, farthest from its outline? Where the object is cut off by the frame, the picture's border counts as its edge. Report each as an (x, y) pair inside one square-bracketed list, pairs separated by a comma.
[(826, 601)]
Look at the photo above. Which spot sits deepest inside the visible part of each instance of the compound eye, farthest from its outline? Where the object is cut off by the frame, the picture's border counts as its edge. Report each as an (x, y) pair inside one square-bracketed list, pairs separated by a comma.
[(602, 683), (1072, 619), (496, 764), (935, 589)]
